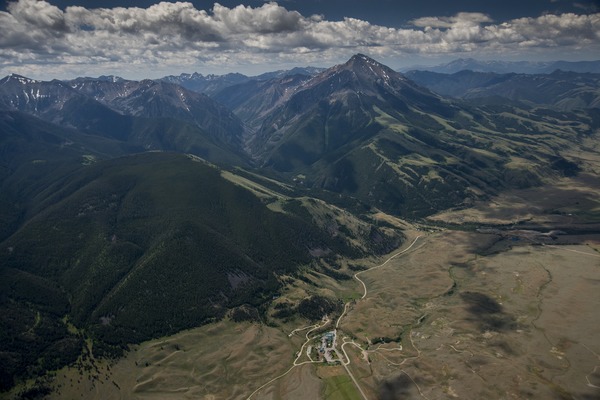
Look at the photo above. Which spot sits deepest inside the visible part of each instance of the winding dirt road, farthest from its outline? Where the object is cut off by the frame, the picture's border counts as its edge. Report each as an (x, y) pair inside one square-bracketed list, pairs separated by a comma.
[(314, 327)]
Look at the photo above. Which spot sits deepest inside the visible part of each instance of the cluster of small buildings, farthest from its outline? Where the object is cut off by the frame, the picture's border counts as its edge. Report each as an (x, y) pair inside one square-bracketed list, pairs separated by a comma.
[(327, 349)]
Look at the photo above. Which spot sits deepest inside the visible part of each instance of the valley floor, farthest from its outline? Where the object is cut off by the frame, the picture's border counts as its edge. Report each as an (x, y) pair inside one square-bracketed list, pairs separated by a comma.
[(442, 320), (471, 311)]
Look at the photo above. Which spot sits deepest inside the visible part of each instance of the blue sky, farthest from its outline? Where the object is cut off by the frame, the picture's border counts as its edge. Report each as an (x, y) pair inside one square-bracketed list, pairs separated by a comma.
[(137, 39)]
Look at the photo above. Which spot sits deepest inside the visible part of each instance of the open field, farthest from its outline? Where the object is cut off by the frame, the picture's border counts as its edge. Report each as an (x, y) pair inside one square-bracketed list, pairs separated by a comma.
[(519, 324), (217, 361), (340, 387)]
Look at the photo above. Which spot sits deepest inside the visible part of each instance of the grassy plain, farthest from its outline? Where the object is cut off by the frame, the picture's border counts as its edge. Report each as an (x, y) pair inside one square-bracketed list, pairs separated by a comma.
[(340, 387), (519, 324), (218, 361), (568, 201)]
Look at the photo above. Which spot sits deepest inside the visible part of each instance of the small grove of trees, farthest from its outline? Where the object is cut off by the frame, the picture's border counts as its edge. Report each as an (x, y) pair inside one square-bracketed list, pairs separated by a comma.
[(314, 307)]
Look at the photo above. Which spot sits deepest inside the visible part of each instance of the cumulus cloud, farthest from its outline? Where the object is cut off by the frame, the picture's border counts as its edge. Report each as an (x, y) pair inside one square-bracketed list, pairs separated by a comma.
[(39, 14), (270, 18), (177, 36), (448, 22)]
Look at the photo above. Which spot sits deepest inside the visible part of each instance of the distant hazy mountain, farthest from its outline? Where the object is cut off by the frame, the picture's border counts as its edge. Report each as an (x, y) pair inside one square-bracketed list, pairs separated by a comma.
[(561, 90), (212, 84), (205, 84), (102, 89), (152, 99), (253, 100), (306, 71), (503, 67)]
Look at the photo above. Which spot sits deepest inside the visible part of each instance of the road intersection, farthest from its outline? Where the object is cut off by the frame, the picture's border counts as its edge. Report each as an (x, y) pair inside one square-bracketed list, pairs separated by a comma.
[(333, 349)]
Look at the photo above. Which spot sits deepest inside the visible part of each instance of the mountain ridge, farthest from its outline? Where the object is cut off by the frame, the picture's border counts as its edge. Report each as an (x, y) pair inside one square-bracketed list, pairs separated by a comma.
[(126, 231), (560, 90), (364, 130), (503, 67), (325, 127), (151, 115)]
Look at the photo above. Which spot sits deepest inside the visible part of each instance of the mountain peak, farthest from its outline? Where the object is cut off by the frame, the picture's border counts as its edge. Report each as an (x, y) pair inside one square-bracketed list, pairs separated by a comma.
[(360, 74), (19, 78), (110, 78), (368, 69), (360, 56), (361, 59)]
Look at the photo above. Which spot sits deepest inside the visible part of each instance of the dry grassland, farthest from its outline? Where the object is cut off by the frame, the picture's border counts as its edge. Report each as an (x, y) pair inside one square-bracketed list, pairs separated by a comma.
[(560, 203), (217, 361), (519, 324)]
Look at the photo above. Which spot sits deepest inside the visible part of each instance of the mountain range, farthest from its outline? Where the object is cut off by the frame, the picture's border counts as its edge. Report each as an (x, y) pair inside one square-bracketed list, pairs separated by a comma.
[(359, 128), (114, 192), (211, 84), (504, 67), (366, 131), (147, 114), (559, 90)]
